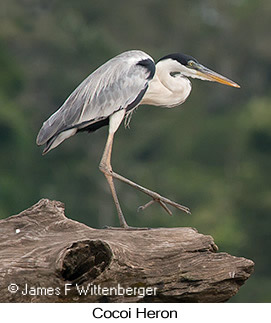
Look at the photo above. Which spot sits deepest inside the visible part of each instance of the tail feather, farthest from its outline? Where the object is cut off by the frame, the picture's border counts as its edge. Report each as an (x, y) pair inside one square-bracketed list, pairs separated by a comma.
[(57, 140), (52, 140)]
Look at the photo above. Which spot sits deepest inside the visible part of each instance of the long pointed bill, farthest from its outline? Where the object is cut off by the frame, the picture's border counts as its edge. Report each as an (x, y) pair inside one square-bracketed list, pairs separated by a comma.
[(207, 74)]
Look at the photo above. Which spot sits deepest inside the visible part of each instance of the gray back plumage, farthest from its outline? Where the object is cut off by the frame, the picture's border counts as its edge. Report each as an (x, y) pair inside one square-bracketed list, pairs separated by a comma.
[(113, 86)]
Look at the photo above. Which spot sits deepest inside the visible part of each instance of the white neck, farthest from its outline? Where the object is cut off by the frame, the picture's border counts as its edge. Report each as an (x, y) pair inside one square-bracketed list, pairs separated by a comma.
[(166, 90)]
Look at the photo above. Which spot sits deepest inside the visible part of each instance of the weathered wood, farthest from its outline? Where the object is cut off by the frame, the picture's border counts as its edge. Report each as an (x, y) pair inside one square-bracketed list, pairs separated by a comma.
[(40, 247)]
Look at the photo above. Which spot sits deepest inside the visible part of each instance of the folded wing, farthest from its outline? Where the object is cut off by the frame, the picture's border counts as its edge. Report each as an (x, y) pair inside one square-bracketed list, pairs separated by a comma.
[(118, 84)]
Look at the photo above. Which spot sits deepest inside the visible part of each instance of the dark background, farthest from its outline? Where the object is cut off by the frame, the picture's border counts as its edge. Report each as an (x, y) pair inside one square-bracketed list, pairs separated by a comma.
[(211, 154)]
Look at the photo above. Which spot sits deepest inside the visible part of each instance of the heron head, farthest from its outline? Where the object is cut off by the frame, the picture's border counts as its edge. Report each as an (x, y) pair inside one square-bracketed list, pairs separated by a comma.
[(188, 66)]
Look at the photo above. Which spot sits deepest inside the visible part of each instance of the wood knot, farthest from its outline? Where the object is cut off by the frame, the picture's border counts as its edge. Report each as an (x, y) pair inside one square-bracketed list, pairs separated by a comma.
[(85, 260)]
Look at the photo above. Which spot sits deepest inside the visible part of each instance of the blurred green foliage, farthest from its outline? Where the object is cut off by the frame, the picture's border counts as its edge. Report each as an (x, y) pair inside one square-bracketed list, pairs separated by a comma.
[(213, 153)]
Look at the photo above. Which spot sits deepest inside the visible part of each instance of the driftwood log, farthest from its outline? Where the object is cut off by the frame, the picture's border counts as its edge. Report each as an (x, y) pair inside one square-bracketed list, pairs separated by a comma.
[(45, 257)]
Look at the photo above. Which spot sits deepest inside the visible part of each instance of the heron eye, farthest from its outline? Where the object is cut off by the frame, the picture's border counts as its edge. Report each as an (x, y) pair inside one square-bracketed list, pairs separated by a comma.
[(190, 63)]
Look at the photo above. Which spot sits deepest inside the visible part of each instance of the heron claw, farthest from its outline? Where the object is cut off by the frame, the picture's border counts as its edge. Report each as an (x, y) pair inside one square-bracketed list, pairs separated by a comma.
[(143, 207), (164, 206)]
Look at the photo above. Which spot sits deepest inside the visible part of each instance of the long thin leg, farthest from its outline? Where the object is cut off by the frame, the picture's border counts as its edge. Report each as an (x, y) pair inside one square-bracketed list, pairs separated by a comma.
[(106, 168)]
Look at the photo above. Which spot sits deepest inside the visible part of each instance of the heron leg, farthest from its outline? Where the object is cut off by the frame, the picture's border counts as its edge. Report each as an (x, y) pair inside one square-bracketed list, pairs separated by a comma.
[(106, 168)]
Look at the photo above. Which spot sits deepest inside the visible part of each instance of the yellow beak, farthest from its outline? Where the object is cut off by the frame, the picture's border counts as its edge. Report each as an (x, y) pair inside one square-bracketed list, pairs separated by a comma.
[(209, 75)]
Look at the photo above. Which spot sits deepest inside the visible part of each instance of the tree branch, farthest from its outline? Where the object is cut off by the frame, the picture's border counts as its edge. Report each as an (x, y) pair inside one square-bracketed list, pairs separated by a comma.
[(51, 258)]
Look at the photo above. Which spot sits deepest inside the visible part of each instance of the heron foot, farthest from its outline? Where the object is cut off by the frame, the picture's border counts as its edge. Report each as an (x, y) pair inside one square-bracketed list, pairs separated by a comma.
[(162, 204), (161, 200)]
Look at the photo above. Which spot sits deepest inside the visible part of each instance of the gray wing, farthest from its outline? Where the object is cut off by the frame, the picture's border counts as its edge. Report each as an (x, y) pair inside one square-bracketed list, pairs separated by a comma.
[(118, 84)]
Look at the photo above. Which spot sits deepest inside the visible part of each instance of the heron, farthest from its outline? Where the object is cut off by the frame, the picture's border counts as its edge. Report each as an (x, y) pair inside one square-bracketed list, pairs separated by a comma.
[(112, 92)]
